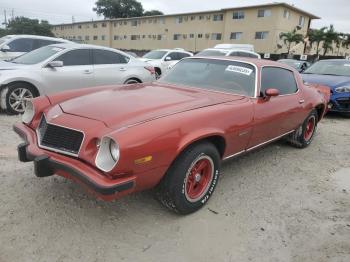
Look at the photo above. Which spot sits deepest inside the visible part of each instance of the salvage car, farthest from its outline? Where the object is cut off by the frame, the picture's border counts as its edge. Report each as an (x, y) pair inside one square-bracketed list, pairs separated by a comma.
[(299, 65), (335, 74), (12, 46), (171, 134), (60, 67)]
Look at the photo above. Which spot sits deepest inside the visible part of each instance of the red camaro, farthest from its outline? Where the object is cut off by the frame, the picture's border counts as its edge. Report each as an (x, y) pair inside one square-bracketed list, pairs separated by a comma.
[(171, 134)]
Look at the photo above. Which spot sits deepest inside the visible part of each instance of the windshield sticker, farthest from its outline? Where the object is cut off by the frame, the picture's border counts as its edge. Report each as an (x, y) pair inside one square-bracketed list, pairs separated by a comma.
[(239, 69)]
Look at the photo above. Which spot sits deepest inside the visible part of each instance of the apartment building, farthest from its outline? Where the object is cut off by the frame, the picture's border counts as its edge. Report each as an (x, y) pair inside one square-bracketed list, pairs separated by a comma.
[(259, 25)]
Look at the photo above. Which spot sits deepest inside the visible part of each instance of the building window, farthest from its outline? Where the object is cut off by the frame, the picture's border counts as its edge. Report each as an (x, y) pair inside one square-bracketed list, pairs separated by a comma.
[(238, 15), (216, 36), (103, 38), (79, 26), (200, 35), (264, 12), (236, 35), (218, 17), (95, 37), (104, 25), (116, 37), (162, 20), (125, 37), (201, 17), (87, 38), (120, 23), (79, 37), (261, 35), (191, 35), (95, 26), (177, 36), (159, 37), (193, 18), (208, 17), (286, 14), (134, 23), (178, 20), (301, 21), (135, 37)]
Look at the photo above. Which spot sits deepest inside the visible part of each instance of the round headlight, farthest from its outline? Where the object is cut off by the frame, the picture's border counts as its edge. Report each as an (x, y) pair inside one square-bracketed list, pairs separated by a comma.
[(29, 112), (114, 148)]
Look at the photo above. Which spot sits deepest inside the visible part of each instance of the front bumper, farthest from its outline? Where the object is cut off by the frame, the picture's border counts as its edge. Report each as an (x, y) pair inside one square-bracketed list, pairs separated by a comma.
[(47, 163), (340, 104)]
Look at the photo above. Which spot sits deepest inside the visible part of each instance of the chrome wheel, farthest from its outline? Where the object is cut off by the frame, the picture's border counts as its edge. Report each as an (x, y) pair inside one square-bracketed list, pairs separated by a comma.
[(18, 97), (132, 81)]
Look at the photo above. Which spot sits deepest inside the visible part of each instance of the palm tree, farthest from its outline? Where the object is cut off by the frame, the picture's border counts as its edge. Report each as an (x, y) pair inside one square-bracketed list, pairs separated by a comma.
[(316, 36), (330, 37), (346, 41), (291, 37)]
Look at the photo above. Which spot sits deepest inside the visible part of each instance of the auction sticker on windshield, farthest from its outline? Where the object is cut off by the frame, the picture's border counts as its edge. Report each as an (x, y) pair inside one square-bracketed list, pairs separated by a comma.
[(239, 69)]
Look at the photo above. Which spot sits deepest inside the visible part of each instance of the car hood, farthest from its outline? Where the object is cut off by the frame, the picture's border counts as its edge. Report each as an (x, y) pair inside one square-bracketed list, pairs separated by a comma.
[(328, 80), (133, 104), (10, 66)]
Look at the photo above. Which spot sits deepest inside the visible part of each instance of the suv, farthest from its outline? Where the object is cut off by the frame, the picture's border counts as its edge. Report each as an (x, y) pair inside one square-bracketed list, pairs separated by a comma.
[(161, 59), (12, 46)]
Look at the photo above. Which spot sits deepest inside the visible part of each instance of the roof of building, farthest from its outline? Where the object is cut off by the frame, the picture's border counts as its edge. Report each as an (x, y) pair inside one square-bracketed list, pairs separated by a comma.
[(312, 16)]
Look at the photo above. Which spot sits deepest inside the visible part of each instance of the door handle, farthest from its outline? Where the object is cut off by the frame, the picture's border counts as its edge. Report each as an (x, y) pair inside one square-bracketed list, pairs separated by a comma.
[(122, 69), (87, 72), (301, 101)]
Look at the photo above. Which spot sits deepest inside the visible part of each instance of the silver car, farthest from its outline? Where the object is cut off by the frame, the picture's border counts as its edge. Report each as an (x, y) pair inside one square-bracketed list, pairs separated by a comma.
[(61, 67)]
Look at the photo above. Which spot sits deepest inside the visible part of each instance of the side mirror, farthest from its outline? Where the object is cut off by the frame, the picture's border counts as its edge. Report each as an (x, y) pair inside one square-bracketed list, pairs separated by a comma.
[(5, 48), (272, 92), (54, 64), (168, 58)]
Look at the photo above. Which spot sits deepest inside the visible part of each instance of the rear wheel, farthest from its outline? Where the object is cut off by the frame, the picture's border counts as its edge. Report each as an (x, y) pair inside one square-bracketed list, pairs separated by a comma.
[(132, 81), (191, 180), (16, 96), (304, 135)]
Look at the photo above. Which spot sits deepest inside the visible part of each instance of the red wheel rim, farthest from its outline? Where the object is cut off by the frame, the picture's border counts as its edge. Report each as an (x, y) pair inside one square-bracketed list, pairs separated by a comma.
[(199, 178), (309, 129)]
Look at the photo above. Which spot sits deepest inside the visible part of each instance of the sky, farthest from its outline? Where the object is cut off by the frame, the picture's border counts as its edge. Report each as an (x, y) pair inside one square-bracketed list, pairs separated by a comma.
[(332, 12)]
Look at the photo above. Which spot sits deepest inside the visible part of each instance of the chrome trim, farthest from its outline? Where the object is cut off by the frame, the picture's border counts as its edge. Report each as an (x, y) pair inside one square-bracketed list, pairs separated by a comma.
[(259, 145), (57, 150)]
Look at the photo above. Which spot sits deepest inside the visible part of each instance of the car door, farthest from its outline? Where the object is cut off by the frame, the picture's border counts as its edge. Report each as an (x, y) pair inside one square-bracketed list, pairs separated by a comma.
[(76, 72), (276, 116), (110, 67), (18, 47)]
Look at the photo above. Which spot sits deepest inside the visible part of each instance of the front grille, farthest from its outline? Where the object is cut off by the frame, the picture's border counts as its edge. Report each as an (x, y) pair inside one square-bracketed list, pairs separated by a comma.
[(344, 102), (59, 138)]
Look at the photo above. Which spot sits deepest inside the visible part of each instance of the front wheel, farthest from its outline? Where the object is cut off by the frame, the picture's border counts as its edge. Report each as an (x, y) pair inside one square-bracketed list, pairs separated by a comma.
[(16, 96), (303, 136), (191, 179)]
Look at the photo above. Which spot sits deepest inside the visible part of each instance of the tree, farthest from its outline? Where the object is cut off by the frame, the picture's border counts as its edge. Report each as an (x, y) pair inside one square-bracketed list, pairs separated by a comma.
[(122, 9), (330, 37), (346, 41), (24, 25), (291, 37), (316, 36), (152, 12)]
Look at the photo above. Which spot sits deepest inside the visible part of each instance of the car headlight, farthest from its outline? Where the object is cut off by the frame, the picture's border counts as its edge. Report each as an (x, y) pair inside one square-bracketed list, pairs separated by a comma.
[(108, 154), (29, 112), (343, 89)]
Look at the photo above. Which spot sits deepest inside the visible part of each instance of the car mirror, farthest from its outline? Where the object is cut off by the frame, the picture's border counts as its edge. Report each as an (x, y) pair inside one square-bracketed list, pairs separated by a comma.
[(5, 48), (54, 64), (272, 92), (168, 58)]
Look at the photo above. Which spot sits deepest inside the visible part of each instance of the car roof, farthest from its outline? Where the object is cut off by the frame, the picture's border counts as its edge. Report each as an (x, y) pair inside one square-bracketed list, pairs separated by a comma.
[(72, 45), (335, 60), (170, 50), (36, 37), (228, 50)]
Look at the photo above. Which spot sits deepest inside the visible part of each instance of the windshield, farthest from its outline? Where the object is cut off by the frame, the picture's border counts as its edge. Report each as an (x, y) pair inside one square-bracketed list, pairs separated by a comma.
[(4, 39), (212, 53), (155, 55), (212, 74), (292, 63), (338, 68), (37, 55)]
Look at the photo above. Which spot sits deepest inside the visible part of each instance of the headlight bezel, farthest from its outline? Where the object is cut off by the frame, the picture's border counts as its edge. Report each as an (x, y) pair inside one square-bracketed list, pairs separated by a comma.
[(342, 89), (106, 160), (29, 112)]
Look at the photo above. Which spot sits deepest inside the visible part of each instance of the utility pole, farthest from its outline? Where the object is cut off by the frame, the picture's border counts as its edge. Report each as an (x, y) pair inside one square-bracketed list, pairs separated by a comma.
[(5, 15), (73, 20), (13, 14)]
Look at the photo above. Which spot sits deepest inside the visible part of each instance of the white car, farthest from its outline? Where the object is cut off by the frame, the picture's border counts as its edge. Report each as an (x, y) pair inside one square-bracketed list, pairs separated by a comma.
[(12, 46), (61, 67), (161, 59), (228, 52)]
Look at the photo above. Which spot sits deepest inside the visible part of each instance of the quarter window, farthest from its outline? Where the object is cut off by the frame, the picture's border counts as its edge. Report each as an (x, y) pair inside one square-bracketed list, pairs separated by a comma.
[(278, 78), (105, 57), (75, 57)]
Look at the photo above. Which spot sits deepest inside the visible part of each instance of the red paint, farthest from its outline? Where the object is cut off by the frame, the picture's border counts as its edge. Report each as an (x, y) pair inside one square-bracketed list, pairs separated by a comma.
[(162, 120)]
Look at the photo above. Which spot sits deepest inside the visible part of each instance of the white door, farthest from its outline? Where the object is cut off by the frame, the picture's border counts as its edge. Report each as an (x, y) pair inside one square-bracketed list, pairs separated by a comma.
[(77, 72), (110, 67)]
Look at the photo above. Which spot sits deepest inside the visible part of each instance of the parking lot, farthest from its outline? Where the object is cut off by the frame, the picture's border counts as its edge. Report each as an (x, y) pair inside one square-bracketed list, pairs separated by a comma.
[(276, 204)]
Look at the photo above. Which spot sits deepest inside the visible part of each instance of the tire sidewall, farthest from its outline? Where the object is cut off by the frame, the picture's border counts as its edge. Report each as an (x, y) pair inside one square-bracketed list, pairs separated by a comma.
[(10, 89), (313, 114)]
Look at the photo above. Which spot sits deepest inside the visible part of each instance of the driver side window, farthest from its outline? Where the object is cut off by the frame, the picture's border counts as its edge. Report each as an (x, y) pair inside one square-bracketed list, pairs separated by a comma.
[(76, 58), (173, 56), (278, 78)]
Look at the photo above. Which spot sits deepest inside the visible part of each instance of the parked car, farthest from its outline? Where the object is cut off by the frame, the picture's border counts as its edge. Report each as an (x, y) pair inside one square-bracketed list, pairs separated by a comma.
[(334, 73), (12, 46), (228, 52), (299, 65), (171, 134), (61, 67), (160, 59), (245, 47)]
